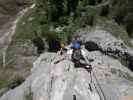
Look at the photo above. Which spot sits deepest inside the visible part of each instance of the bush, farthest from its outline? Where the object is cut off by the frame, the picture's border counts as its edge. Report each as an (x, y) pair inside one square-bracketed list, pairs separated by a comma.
[(129, 29), (11, 84), (105, 11), (92, 2), (87, 19), (119, 17), (15, 82), (63, 21), (99, 1), (38, 42)]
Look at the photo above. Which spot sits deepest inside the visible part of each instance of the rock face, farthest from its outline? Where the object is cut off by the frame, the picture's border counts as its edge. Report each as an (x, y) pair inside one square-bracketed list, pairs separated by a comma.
[(107, 44), (109, 80)]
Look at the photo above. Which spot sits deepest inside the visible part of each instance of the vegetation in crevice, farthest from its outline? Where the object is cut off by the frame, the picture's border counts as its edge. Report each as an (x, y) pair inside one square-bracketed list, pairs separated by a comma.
[(122, 13), (29, 95), (11, 83)]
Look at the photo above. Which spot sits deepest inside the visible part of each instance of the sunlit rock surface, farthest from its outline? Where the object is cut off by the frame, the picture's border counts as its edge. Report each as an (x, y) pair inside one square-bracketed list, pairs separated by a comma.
[(110, 80), (106, 43)]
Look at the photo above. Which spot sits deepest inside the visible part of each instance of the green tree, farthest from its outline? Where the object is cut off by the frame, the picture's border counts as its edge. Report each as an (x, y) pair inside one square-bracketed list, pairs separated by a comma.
[(72, 6), (92, 2), (123, 12), (57, 9)]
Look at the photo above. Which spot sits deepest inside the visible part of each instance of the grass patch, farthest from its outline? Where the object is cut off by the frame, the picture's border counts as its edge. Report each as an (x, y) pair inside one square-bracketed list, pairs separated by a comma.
[(129, 77), (3, 83), (29, 96), (25, 27), (15, 82), (1, 58), (11, 83)]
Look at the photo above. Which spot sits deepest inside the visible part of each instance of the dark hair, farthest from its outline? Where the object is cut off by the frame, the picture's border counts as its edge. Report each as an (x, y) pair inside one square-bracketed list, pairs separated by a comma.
[(77, 36)]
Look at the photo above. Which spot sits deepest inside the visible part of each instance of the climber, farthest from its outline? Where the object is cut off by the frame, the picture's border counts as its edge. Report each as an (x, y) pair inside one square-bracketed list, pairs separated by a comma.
[(76, 39), (78, 57)]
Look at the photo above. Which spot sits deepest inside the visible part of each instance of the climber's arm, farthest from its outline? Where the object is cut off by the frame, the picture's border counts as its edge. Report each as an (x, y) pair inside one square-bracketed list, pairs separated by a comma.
[(65, 56), (84, 55), (86, 60)]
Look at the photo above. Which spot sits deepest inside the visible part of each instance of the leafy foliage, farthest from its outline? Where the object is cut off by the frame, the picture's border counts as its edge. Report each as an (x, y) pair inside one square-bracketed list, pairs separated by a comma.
[(105, 10), (11, 84), (123, 12)]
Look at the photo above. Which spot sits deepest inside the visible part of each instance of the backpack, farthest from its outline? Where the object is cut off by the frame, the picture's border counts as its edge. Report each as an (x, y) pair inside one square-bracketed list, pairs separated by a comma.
[(76, 55)]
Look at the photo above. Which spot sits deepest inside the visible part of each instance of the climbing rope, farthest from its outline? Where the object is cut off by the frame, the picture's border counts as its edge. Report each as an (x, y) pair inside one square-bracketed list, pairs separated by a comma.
[(90, 82), (95, 87), (99, 86)]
